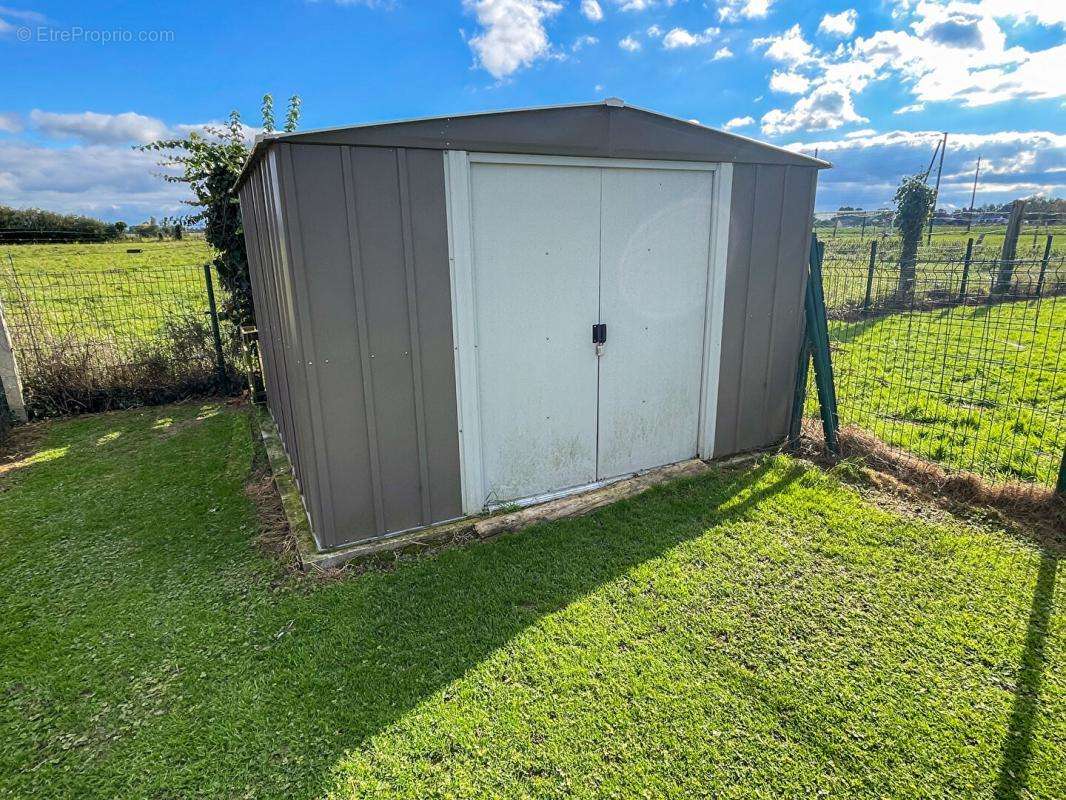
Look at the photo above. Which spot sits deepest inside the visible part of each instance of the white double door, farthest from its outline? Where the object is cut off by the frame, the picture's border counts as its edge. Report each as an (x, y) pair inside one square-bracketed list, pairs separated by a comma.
[(556, 250)]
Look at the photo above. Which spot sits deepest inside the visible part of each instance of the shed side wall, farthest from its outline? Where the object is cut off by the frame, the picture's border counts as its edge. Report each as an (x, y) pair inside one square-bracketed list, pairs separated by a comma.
[(279, 348), (365, 299), (769, 233)]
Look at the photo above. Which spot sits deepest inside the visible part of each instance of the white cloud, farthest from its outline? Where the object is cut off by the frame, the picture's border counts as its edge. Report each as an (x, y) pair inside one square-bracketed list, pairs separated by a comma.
[(21, 15), (641, 5), (828, 107), (746, 9), (738, 122), (106, 180), (629, 44), (655, 31), (948, 51), (1044, 12), (842, 24), (91, 127), (592, 10), (513, 34), (958, 52), (680, 38), (867, 168), (722, 53), (583, 41), (10, 123), (789, 47), (789, 82)]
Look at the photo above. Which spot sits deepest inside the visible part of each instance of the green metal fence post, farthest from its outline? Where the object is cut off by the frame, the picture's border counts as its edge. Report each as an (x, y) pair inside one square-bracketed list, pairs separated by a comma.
[(966, 268), (220, 359), (1043, 266), (799, 395), (870, 275), (818, 335), (1060, 485)]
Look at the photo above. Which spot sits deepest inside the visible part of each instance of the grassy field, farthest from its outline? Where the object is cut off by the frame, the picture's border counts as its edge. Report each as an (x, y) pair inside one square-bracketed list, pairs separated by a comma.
[(99, 290), (757, 633), (988, 239), (976, 387), (33, 258)]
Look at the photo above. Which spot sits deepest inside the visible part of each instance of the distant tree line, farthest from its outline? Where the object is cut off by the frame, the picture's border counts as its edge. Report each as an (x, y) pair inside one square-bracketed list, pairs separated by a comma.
[(37, 225)]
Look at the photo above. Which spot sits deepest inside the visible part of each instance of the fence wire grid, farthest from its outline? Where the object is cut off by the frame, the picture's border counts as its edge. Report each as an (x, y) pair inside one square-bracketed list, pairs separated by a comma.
[(102, 338), (959, 362)]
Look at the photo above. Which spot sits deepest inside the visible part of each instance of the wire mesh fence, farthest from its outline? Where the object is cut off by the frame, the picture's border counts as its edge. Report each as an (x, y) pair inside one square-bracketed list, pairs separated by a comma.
[(112, 337), (956, 358)]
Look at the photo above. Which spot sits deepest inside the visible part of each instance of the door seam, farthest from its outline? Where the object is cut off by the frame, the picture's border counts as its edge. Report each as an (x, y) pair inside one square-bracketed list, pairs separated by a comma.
[(599, 319)]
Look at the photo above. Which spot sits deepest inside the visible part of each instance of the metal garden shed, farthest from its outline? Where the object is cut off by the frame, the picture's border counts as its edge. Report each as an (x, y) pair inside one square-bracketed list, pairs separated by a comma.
[(465, 312)]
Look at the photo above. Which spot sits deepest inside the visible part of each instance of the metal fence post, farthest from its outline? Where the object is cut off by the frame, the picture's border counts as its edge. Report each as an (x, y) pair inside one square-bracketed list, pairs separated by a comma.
[(1060, 485), (1043, 266), (870, 275), (220, 359), (799, 395), (818, 334), (966, 268)]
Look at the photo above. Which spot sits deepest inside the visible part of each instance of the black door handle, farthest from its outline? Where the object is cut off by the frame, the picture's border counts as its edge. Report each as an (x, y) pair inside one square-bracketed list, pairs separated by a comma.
[(599, 333)]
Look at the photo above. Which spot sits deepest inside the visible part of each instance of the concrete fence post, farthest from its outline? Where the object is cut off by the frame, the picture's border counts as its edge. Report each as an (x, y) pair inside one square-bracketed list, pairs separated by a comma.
[(9, 372)]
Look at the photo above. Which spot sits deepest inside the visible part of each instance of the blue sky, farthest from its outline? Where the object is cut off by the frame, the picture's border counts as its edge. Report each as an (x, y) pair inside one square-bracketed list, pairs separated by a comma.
[(868, 84)]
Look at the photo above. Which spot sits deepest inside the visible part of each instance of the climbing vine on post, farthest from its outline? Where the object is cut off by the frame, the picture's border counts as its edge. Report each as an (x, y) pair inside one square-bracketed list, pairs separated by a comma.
[(208, 162), (914, 202)]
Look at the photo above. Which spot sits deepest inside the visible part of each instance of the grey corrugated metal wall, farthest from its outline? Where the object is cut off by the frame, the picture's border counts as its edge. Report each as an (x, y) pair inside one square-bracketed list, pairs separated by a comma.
[(769, 233), (349, 258)]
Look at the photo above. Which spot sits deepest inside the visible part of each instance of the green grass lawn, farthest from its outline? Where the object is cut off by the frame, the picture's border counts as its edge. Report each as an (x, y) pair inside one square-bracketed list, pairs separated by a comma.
[(760, 633), (974, 387)]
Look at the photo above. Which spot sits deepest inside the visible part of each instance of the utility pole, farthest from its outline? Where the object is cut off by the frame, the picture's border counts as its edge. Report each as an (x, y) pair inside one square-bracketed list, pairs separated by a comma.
[(936, 191), (973, 194)]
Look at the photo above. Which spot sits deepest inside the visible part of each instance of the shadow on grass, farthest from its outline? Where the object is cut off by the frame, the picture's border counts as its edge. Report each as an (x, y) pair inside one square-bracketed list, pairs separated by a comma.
[(1017, 747), (432, 622)]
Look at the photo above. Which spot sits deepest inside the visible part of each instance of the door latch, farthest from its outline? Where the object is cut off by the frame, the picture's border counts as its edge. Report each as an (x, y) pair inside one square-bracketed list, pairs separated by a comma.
[(599, 337)]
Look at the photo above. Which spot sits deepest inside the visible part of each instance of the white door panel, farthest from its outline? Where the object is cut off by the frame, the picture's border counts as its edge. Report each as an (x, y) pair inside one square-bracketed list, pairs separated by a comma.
[(655, 247), (536, 263)]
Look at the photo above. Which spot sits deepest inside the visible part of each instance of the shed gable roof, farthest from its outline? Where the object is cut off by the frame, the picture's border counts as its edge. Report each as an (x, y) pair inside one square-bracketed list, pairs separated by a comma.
[(606, 129)]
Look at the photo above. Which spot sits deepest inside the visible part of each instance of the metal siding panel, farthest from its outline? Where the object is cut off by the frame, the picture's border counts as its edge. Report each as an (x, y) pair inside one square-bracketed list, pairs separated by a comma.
[(284, 345), (742, 211), (429, 241), (796, 211), (381, 253), (323, 261), (277, 394), (298, 380), (752, 426), (255, 279), (412, 324), (266, 307)]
